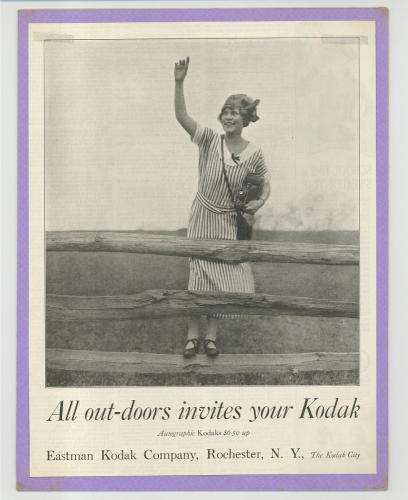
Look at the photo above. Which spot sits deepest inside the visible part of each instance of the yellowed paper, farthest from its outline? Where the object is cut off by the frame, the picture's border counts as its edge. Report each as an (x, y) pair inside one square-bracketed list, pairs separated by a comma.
[(146, 430)]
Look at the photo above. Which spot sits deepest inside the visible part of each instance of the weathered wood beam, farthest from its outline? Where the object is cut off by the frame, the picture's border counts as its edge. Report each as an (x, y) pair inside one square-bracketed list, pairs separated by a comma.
[(225, 250), (167, 303), (149, 363)]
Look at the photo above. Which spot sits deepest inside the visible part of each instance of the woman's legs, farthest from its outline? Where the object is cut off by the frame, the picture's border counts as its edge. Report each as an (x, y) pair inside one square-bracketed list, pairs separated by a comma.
[(191, 345), (211, 333), (210, 345), (193, 322)]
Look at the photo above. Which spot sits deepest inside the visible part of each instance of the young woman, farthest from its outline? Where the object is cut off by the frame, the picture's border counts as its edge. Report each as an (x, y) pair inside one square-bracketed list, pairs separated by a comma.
[(213, 215)]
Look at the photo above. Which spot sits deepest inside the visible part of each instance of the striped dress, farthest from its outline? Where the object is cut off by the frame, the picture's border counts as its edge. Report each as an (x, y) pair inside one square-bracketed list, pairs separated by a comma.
[(212, 214)]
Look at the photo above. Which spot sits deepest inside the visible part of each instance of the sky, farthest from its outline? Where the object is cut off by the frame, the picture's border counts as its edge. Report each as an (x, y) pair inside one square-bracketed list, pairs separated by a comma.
[(116, 158)]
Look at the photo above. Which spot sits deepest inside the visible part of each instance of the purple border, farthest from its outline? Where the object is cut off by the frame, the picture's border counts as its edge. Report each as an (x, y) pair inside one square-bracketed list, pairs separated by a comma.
[(282, 482)]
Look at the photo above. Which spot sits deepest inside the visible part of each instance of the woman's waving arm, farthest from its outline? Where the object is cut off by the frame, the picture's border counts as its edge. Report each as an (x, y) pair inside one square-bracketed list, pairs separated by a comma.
[(180, 72)]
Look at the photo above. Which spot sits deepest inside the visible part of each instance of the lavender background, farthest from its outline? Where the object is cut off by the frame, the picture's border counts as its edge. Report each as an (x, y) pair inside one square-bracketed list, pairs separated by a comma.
[(225, 482)]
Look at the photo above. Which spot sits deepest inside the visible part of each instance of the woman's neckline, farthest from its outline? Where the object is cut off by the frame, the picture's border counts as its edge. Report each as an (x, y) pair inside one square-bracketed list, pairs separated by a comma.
[(236, 153)]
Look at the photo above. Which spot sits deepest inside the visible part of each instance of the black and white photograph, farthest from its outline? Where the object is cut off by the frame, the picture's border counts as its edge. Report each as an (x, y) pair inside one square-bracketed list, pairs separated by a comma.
[(202, 207)]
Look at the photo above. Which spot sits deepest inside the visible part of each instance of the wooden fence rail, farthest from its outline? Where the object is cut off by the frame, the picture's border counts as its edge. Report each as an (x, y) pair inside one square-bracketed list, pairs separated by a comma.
[(225, 250), (167, 303), (151, 363)]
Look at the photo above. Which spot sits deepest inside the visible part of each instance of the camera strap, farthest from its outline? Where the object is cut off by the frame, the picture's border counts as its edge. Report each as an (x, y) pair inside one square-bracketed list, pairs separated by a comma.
[(224, 172)]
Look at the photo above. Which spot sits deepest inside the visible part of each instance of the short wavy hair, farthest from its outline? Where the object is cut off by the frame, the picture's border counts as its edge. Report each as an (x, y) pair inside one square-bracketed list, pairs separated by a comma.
[(246, 106)]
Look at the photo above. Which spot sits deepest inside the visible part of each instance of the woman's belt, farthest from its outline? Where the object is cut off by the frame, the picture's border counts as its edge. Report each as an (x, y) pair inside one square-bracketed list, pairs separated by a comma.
[(209, 205)]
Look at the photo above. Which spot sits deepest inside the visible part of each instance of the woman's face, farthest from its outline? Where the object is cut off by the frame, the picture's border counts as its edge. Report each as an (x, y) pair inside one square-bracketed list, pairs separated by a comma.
[(231, 121)]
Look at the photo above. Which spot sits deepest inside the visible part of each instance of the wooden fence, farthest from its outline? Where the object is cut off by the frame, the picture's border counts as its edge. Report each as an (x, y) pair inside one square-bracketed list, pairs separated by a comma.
[(167, 303)]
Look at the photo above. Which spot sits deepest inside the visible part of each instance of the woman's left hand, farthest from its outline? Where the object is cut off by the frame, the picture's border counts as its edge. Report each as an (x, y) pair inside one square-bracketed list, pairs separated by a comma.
[(253, 206)]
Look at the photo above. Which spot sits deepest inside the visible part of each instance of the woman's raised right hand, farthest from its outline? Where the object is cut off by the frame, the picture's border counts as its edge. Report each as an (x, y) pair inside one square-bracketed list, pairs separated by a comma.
[(180, 69)]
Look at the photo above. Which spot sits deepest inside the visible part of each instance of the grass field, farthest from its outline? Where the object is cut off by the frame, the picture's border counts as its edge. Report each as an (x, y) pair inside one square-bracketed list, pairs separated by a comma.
[(75, 273)]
